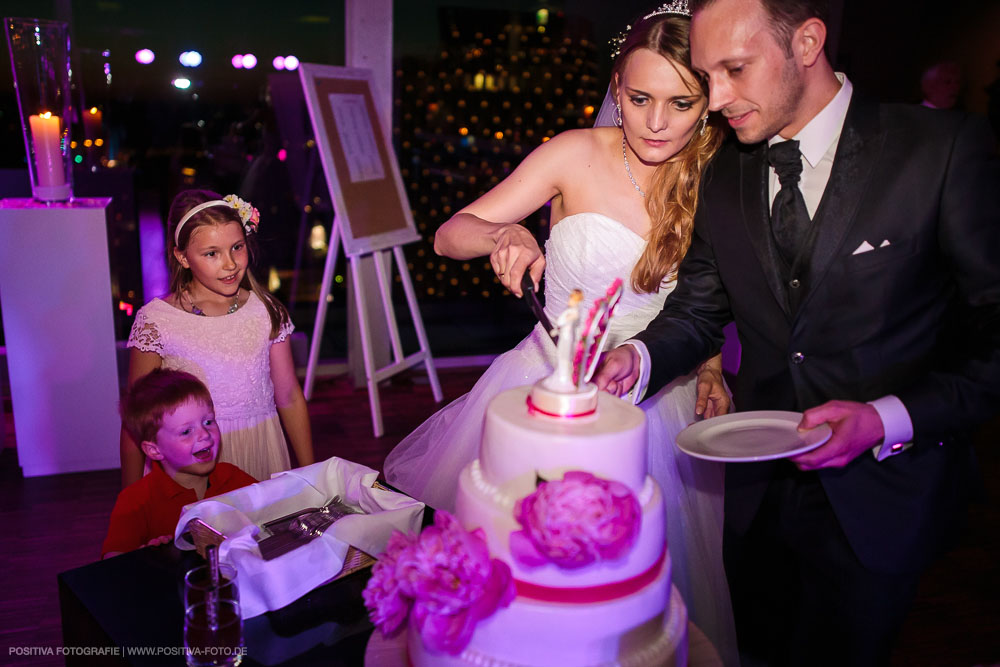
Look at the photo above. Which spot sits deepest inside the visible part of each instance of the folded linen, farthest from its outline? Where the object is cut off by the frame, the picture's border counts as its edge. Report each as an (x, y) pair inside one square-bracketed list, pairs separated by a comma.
[(269, 585)]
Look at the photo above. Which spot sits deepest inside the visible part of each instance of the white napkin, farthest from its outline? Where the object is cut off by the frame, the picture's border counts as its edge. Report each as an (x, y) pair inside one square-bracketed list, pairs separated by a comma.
[(268, 585)]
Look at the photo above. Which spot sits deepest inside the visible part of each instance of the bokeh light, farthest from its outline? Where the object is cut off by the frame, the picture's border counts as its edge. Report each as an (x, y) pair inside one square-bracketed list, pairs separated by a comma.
[(190, 59), (145, 56)]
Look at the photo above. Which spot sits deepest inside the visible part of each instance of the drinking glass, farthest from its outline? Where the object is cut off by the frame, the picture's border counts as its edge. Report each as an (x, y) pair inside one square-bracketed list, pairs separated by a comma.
[(213, 634), (198, 582)]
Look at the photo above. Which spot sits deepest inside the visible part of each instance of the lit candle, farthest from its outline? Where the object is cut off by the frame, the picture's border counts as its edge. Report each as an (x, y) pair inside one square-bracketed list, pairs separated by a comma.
[(46, 135)]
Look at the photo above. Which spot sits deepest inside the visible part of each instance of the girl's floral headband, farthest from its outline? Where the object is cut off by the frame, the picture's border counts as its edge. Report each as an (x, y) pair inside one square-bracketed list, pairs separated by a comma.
[(248, 214)]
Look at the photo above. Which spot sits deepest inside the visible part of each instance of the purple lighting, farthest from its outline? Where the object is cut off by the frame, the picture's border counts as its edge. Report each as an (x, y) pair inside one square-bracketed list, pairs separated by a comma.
[(145, 56), (238, 61), (291, 63), (278, 62), (249, 61)]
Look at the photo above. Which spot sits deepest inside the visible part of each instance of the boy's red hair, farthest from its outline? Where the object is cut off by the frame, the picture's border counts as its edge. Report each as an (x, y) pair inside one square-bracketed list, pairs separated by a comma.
[(153, 395)]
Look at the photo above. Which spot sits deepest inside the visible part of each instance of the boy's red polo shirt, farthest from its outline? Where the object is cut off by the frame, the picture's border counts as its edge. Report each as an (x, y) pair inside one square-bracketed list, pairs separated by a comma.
[(151, 507)]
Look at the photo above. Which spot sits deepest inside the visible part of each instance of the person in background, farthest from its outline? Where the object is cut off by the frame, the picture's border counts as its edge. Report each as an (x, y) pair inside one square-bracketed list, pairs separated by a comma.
[(940, 85)]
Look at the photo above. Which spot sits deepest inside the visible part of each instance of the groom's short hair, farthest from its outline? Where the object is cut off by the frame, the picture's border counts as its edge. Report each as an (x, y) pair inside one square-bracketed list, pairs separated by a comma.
[(785, 15)]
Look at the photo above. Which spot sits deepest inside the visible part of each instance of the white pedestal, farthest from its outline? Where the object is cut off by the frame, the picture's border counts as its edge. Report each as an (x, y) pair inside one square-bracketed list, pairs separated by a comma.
[(55, 288)]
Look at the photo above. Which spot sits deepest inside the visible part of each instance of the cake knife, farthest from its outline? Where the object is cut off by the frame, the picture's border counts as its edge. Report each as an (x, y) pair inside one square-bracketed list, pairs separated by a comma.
[(528, 289)]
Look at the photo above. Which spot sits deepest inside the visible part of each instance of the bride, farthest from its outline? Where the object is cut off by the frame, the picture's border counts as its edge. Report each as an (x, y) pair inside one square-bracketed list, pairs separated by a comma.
[(623, 200)]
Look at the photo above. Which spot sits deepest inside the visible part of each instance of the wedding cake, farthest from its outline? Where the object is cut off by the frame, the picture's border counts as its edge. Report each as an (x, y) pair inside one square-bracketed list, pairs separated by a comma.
[(577, 571)]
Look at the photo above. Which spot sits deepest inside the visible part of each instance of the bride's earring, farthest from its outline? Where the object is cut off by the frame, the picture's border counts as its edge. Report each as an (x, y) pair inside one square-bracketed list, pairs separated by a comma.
[(617, 121), (704, 124)]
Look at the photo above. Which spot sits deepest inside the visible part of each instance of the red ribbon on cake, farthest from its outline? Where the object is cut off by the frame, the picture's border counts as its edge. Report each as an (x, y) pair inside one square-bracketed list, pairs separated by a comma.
[(534, 408), (588, 594)]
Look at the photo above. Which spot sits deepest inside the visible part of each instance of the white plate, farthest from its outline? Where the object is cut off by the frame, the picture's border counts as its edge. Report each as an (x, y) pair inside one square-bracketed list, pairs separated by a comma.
[(762, 435)]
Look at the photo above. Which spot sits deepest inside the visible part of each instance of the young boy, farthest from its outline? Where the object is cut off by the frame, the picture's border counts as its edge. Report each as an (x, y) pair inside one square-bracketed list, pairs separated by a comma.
[(170, 413)]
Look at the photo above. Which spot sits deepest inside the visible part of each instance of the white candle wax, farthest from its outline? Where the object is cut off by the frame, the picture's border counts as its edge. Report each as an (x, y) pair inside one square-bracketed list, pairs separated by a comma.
[(46, 131)]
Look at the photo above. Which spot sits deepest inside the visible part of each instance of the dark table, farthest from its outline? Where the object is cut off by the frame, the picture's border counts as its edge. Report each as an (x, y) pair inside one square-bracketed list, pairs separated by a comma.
[(133, 602)]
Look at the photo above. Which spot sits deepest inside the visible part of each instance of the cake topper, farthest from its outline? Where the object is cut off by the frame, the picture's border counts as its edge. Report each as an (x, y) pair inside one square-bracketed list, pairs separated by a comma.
[(568, 326), (567, 392)]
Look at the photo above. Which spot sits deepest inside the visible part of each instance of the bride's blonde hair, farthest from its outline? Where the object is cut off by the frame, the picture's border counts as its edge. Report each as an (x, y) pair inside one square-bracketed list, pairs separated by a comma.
[(672, 195)]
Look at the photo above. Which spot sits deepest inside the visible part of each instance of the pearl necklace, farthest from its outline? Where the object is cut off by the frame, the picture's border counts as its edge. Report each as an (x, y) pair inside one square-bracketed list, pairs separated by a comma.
[(629, 171), (198, 311)]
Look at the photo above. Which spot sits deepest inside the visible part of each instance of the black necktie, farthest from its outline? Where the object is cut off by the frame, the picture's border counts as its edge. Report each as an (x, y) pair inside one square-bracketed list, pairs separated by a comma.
[(789, 217)]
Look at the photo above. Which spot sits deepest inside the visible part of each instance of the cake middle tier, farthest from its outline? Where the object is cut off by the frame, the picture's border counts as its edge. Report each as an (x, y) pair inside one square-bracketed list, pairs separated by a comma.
[(480, 504), (519, 446)]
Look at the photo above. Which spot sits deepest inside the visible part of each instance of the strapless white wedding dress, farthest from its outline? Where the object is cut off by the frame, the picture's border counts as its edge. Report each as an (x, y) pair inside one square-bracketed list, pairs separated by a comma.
[(588, 251)]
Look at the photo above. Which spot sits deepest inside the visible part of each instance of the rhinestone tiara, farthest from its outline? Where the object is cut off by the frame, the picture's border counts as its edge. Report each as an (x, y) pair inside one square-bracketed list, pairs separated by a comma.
[(676, 7)]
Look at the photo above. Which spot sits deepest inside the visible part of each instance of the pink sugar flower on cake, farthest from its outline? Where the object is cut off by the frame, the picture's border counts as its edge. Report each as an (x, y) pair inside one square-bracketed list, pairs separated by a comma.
[(575, 521), (444, 579)]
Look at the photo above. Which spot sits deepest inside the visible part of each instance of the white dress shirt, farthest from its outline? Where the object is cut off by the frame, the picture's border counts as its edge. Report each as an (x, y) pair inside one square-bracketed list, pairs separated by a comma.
[(818, 142)]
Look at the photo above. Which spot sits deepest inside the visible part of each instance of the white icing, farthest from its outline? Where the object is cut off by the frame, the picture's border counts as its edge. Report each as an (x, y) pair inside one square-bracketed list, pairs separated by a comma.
[(518, 446), (557, 400), (530, 634), (484, 488)]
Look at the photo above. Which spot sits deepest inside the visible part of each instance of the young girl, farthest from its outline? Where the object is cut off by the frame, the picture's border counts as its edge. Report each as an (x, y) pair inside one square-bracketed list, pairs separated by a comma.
[(221, 326)]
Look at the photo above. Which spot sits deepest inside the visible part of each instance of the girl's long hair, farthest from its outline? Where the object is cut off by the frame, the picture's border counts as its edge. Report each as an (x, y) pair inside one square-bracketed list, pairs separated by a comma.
[(672, 195), (180, 277)]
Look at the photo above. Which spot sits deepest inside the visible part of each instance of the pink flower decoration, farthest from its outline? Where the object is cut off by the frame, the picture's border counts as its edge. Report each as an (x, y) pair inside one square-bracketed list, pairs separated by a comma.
[(575, 521), (387, 606), (445, 578)]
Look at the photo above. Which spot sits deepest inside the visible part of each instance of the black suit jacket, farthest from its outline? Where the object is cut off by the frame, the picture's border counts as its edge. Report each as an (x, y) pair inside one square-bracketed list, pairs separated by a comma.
[(918, 318)]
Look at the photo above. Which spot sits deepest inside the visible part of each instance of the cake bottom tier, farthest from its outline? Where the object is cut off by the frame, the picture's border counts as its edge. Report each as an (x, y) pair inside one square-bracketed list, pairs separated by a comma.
[(648, 627)]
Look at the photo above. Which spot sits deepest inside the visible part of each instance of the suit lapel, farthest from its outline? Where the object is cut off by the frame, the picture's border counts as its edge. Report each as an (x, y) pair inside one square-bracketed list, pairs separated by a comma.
[(756, 217), (857, 154)]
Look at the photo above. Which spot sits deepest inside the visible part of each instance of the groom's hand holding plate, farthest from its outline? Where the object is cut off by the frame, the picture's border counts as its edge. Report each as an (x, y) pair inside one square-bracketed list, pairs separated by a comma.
[(761, 435), (857, 427)]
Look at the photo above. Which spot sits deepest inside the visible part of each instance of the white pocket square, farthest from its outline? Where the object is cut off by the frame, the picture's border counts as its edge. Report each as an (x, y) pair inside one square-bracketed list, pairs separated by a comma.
[(883, 243), (865, 247)]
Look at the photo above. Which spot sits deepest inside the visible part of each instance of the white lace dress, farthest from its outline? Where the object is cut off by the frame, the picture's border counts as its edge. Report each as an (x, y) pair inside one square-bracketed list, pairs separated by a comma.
[(231, 355), (588, 251)]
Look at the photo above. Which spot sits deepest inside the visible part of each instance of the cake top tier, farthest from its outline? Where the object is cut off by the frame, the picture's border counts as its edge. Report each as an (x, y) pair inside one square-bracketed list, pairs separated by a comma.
[(519, 447), (567, 392)]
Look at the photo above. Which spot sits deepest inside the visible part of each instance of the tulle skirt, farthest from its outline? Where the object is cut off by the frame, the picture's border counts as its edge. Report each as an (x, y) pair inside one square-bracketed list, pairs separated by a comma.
[(426, 464)]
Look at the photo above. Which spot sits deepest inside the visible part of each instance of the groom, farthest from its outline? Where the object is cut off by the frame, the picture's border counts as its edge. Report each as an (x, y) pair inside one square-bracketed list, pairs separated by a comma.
[(856, 247)]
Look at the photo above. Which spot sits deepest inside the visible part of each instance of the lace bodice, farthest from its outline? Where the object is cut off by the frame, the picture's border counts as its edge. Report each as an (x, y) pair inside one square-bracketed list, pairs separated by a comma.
[(588, 251), (230, 354)]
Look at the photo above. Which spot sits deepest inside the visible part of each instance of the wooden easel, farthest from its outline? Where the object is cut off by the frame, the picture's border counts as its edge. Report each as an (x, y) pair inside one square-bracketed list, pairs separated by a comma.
[(363, 176), (399, 361)]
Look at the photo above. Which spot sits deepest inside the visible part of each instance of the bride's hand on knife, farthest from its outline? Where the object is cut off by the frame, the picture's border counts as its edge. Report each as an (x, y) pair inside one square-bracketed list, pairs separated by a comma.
[(515, 252)]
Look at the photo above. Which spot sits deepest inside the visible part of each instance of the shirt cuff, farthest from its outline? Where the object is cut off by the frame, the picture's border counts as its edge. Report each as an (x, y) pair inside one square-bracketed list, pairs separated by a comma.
[(638, 390), (897, 425)]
